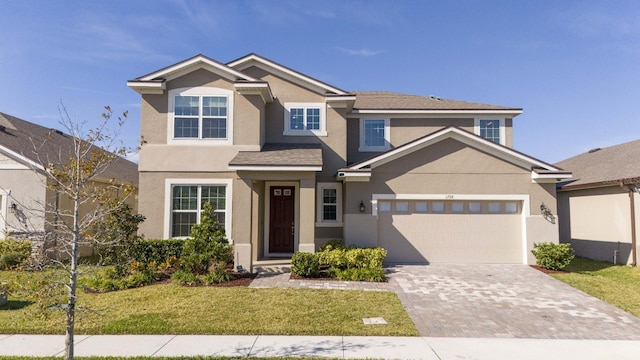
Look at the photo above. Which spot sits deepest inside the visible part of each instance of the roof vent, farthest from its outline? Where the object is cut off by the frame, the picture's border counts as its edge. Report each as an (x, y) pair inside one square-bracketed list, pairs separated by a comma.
[(2, 128), (57, 131), (432, 97), (594, 150)]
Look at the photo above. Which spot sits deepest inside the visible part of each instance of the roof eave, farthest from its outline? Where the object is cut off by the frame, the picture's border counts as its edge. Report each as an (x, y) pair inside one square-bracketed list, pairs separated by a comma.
[(147, 87)]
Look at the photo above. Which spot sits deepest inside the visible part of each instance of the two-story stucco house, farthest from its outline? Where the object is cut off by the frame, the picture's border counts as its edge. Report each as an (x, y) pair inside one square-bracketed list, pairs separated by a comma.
[(290, 162)]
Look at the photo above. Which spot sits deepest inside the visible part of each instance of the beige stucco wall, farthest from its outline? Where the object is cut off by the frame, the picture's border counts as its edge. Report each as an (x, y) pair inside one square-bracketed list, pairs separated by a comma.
[(451, 168), (27, 190), (152, 203), (334, 151), (597, 222), (404, 130), (248, 129)]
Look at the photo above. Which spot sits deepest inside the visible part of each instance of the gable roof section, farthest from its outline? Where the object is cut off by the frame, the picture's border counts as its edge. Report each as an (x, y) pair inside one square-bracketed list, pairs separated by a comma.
[(608, 166), (372, 102), (286, 73), (540, 170), (155, 82), (18, 137)]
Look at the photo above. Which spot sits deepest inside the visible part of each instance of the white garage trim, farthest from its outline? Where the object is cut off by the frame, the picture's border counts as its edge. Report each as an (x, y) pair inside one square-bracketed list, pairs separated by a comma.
[(486, 197)]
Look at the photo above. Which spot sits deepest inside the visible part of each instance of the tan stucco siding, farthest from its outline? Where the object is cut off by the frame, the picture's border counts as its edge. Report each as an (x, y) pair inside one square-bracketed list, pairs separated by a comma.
[(154, 111), (28, 191), (450, 167), (334, 152), (189, 158), (406, 130), (247, 121), (598, 222), (152, 202)]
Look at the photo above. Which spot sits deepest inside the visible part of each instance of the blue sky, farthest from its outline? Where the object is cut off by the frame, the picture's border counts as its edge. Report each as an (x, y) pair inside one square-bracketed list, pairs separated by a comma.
[(573, 66)]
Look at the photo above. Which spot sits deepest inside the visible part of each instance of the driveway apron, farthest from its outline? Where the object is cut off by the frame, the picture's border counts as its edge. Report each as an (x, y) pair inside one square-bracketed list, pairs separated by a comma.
[(504, 301)]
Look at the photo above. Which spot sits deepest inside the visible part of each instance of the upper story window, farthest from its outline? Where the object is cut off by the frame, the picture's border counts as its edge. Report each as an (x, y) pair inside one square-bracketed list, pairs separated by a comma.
[(374, 135), (200, 114), (305, 119), (491, 129)]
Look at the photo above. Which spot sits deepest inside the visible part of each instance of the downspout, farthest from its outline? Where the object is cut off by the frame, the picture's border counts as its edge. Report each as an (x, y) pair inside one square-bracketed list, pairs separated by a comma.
[(632, 190)]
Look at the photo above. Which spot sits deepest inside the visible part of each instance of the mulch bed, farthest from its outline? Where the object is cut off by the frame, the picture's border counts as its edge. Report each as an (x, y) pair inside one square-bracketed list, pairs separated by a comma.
[(547, 271), (242, 279)]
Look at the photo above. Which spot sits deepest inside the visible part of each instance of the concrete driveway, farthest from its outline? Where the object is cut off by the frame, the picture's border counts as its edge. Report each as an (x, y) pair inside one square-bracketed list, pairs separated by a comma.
[(504, 301)]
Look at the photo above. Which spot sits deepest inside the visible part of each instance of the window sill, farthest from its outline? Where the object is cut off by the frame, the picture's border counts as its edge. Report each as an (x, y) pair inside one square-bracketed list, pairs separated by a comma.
[(206, 141), (373, 149), (329, 224), (304, 133)]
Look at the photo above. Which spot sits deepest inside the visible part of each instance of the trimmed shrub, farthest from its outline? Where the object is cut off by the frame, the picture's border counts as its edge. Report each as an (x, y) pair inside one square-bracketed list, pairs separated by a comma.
[(362, 274), (13, 253), (332, 244), (552, 256), (305, 264), (347, 258)]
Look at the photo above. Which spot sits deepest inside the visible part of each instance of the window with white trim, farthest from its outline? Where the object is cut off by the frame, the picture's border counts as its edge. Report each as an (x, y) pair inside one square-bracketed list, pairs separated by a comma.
[(491, 129), (329, 204), (187, 202), (374, 135), (200, 113), (305, 119)]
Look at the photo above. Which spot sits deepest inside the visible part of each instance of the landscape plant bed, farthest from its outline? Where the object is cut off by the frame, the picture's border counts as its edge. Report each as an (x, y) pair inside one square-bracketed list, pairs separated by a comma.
[(175, 309)]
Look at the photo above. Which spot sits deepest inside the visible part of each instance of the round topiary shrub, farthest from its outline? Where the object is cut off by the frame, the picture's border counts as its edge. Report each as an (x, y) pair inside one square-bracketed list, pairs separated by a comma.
[(552, 256), (305, 264)]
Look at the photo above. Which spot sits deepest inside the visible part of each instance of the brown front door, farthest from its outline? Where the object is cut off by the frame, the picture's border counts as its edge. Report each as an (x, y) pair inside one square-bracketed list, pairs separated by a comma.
[(281, 219)]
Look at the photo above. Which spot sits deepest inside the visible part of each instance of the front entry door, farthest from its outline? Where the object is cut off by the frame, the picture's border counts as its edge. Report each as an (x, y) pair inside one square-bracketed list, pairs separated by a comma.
[(281, 219)]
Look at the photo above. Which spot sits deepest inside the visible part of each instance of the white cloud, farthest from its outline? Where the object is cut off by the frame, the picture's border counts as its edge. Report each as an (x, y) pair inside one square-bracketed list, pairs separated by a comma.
[(359, 52)]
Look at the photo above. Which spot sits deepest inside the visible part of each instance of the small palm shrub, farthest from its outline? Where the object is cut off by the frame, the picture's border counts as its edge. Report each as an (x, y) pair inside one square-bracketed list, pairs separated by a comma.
[(552, 256)]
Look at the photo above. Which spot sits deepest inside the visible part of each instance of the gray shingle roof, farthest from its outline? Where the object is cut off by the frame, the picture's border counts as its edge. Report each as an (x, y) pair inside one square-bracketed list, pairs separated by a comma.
[(386, 100), (20, 136), (606, 165), (281, 155)]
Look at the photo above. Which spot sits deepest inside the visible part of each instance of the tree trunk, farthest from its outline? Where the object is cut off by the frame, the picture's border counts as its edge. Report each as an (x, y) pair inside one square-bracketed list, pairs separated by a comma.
[(71, 303)]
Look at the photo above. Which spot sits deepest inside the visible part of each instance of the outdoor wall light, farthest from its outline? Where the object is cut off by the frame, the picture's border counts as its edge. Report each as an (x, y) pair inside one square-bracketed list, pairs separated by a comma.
[(13, 208), (361, 206)]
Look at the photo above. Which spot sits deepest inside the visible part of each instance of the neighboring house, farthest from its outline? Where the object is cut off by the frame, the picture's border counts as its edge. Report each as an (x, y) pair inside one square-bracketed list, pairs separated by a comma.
[(598, 209), (24, 192), (290, 162)]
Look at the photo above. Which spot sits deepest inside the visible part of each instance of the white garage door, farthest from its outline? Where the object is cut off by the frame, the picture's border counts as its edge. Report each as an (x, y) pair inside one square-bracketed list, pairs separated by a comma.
[(451, 231)]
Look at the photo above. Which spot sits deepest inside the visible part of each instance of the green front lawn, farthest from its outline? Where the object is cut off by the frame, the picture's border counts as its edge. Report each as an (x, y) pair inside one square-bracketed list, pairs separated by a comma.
[(174, 309), (618, 285)]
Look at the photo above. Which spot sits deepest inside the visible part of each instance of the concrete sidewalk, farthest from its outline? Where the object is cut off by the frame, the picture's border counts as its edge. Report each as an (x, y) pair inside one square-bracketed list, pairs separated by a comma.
[(339, 347)]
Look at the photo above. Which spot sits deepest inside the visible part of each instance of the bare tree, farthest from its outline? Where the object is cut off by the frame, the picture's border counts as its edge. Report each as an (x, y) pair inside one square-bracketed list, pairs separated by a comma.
[(85, 190)]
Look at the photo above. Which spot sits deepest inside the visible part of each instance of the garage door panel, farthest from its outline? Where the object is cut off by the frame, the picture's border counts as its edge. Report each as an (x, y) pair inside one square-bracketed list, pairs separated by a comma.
[(466, 238)]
